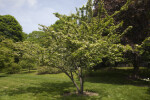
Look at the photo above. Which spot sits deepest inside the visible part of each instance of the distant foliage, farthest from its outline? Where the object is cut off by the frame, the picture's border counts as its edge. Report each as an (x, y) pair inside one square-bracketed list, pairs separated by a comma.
[(8, 62), (137, 15), (28, 54), (145, 50), (10, 28), (10, 34), (47, 70)]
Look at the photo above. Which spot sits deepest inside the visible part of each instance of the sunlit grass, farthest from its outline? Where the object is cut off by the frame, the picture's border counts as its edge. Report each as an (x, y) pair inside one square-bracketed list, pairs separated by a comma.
[(128, 68), (109, 84)]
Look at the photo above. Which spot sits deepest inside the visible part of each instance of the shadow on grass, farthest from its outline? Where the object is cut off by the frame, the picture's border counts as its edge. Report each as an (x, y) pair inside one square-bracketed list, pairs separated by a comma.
[(49, 90), (27, 72), (3, 75), (148, 91), (115, 76)]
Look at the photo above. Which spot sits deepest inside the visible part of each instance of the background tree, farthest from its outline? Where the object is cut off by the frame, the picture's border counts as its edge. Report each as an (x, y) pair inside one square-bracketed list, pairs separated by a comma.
[(10, 28), (39, 37), (8, 59), (144, 49), (137, 16), (28, 54)]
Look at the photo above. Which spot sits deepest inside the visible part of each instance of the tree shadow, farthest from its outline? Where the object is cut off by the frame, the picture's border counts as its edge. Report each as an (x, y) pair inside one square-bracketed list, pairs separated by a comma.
[(3, 75), (52, 90), (27, 71), (148, 91), (118, 77)]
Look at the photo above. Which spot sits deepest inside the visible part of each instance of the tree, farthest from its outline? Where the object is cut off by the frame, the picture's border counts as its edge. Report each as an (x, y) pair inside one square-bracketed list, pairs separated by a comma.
[(84, 41), (10, 28), (144, 51), (28, 54), (36, 36), (5, 55), (146, 46), (8, 59), (39, 37), (137, 16), (57, 26)]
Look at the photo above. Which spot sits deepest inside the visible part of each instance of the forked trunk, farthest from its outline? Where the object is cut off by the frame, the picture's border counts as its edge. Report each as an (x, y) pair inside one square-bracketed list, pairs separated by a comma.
[(79, 90), (75, 84), (80, 75), (81, 85)]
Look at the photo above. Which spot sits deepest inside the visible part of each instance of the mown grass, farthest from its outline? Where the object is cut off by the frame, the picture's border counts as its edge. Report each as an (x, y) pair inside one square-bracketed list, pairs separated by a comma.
[(109, 84)]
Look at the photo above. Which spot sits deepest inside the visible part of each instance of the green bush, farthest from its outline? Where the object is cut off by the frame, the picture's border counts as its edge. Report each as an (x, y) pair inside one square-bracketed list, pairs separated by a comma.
[(13, 68), (27, 64), (47, 70)]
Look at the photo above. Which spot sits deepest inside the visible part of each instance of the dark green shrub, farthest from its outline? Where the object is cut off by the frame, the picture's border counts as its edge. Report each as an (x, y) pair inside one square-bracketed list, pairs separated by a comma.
[(13, 68), (47, 70)]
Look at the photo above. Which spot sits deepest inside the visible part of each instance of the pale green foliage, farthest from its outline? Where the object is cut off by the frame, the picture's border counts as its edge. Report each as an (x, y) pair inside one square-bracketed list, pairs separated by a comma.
[(38, 37), (139, 53), (8, 61), (28, 53), (6, 53), (144, 49), (146, 43), (47, 70), (18, 55), (84, 41)]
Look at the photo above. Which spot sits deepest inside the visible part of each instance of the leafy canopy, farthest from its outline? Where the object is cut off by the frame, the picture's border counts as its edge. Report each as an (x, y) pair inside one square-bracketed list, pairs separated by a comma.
[(84, 40), (10, 28)]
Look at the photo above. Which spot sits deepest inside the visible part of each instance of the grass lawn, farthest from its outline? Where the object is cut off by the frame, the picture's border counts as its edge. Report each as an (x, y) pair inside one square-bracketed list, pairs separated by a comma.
[(109, 84)]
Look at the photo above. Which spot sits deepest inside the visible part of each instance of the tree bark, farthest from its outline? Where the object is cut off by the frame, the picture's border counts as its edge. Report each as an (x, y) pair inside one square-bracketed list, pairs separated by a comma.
[(72, 79), (81, 80), (29, 70), (136, 70), (81, 85), (75, 84), (136, 65)]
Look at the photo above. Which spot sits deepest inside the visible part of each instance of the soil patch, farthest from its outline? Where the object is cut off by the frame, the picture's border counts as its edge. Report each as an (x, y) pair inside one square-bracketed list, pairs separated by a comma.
[(85, 93)]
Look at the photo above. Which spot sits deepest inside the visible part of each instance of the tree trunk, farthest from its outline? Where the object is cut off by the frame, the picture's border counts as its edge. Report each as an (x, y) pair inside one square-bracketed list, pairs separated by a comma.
[(81, 80), (135, 70), (75, 84), (29, 69), (81, 85), (80, 75), (136, 66)]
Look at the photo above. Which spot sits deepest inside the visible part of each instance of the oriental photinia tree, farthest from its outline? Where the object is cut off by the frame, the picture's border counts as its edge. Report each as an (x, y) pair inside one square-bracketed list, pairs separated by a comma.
[(84, 40)]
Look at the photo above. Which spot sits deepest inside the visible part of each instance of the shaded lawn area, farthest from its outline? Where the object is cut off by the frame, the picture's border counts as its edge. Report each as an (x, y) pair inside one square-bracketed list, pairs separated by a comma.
[(118, 76), (109, 84)]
